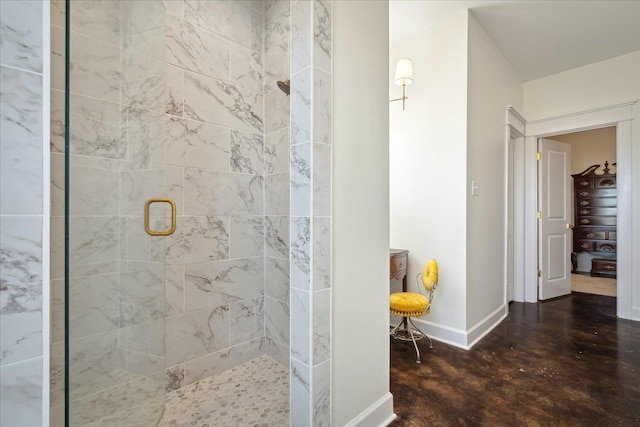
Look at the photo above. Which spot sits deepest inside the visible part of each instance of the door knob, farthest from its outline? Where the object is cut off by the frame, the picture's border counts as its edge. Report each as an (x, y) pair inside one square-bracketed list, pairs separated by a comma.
[(570, 226)]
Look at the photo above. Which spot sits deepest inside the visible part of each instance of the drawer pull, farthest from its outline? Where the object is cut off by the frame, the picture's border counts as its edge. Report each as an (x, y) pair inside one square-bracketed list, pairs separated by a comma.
[(609, 267), (607, 182), (584, 194), (584, 211), (606, 248), (585, 245), (584, 221), (584, 183), (584, 203), (591, 235)]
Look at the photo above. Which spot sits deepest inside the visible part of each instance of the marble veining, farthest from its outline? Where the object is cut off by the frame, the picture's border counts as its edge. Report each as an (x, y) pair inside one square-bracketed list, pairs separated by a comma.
[(276, 151), (246, 320), (21, 391), (321, 253), (174, 290), (276, 113), (95, 69), (277, 192), (301, 43), (197, 144), (300, 252), (220, 361), (222, 282), (247, 236), (247, 152), (300, 325), (276, 43), (277, 278), (97, 19), (300, 400), (301, 179), (277, 320), (322, 34), (21, 34), (246, 68), (21, 134), (174, 91), (198, 239), (276, 236), (321, 107), (301, 106), (321, 397), (174, 378), (220, 103), (321, 326)]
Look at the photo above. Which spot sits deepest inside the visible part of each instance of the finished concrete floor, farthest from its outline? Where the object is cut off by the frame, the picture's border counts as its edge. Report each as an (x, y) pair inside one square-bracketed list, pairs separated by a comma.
[(566, 362)]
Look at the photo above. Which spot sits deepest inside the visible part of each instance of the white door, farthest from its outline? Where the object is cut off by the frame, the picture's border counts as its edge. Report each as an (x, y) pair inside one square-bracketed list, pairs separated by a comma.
[(554, 205)]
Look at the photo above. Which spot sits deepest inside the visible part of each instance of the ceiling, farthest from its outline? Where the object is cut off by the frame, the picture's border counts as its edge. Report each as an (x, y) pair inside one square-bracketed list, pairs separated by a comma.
[(538, 38)]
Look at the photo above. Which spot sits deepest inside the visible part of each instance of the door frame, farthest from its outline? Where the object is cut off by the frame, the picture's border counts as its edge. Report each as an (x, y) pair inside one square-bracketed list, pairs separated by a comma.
[(625, 118)]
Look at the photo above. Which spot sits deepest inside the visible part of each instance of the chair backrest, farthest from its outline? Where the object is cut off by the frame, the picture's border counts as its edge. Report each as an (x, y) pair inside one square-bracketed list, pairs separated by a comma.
[(429, 277)]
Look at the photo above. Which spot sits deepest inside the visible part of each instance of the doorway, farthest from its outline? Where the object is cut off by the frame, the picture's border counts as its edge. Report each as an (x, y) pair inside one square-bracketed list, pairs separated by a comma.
[(589, 148)]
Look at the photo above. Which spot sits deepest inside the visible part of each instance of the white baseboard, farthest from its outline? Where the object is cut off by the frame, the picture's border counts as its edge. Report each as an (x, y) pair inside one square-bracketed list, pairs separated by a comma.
[(458, 337), (380, 414)]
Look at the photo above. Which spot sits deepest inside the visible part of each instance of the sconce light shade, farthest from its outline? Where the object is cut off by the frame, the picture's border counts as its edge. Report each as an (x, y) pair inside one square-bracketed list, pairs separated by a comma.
[(404, 72)]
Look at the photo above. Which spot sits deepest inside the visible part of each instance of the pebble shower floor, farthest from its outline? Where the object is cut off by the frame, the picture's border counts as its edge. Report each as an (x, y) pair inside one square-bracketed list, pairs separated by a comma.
[(255, 393)]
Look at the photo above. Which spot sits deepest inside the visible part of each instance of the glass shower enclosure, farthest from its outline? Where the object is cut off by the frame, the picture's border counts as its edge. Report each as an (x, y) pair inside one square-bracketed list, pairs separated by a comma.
[(117, 212)]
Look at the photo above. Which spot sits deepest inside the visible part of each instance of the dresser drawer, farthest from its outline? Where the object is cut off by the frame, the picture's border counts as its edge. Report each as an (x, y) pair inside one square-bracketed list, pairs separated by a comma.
[(585, 245), (604, 183), (591, 220), (597, 202), (599, 192), (603, 267), (605, 246), (588, 234), (587, 211)]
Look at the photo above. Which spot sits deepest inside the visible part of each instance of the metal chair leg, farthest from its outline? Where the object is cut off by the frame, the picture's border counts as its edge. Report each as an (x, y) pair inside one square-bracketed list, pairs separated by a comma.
[(423, 334), (415, 344)]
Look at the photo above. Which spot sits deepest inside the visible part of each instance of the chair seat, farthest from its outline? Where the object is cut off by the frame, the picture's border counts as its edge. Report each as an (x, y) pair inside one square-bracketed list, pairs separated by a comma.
[(408, 304)]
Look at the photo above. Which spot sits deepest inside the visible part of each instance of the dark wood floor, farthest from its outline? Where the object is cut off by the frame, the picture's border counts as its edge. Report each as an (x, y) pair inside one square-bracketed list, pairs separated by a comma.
[(567, 362)]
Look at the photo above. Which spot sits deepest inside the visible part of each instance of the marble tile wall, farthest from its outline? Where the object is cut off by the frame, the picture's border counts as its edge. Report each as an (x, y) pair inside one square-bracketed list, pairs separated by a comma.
[(22, 88), (310, 239)]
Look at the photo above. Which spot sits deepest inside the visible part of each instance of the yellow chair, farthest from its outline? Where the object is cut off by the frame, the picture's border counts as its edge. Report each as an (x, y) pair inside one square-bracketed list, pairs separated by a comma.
[(412, 304)]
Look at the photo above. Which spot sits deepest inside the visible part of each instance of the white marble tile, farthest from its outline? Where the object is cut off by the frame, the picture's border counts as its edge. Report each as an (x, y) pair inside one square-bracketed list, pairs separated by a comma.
[(220, 103), (301, 106), (247, 152), (174, 95), (301, 43), (321, 394), (137, 244), (322, 34), (146, 94), (245, 68), (95, 128), (196, 334), (174, 290), (247, 236), (94, 363), (21, 391), (276, 351), (142, 363), (276, 238), (21, 135), (198, 239), (142, 17), (134, 65), (321, 326), (215, 363), (57, 311), (145, 336), (276, 44), (321, 179), (277, 278), (321, 106), (21, 34), (57, 58), (58, 13), (219, 283), (246, 320), (301, 179), (94, 305), (145, 146), (276, 319), (174, 378), (232, 20), (196, 49), (197, 144), (276, 196), (97, 19), (57, 184), (138, 186), (93, 245), (95, 68), (321, 253), (300, 393), (300, 325), (56, 243), (174, 7), (276, 151), (276, 111), (222, 193), (300, 252), (57, 121), (142, 284), (56, 374), (21, 296), (174, 186), (93, 191)]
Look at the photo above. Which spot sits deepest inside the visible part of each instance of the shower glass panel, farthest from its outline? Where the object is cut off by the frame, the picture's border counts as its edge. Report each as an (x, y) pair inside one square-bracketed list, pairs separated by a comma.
[(114, 284)]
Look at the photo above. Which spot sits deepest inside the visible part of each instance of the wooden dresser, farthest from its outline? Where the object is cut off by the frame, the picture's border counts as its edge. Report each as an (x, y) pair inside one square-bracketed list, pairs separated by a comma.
[(595, 210)]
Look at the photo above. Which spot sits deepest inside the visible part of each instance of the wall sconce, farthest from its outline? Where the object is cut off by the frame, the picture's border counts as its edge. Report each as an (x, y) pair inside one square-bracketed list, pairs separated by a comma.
[(404, 77)]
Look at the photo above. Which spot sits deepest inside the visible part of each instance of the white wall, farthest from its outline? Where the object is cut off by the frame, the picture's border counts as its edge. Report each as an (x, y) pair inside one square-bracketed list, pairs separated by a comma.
[(610, 82), (590, 147), (492, 84), (360, 371), (428, 177)]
